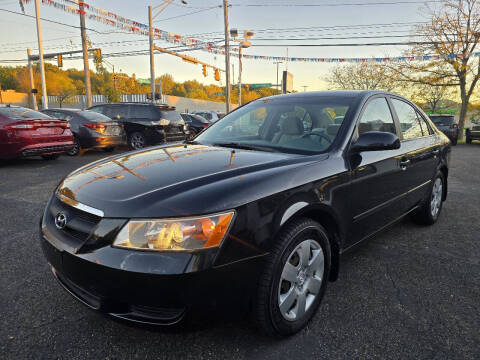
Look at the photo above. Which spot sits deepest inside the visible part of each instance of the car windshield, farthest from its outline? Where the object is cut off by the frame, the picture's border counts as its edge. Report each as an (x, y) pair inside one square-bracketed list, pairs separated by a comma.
[(22, 113), (447, 120), (94, 116), (299, 125)]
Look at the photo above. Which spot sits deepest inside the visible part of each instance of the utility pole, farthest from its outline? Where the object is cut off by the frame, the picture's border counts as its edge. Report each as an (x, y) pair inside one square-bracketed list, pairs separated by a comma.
[(40, 51), (152, 63), (227, 56), (32, 83), (86, 69), (305, 87), (240, 74), (278, 84)]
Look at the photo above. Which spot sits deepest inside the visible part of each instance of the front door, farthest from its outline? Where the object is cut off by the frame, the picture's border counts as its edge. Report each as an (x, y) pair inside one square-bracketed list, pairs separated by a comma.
[(377, 197)]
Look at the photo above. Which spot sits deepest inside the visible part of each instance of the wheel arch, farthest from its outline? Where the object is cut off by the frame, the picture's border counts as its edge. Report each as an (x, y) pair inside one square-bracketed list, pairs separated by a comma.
[(444, 170), (327, 218)]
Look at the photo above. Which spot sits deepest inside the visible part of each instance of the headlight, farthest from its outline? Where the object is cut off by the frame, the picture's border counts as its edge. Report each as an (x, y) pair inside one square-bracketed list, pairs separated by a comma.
[(175, 234), (163, 122)]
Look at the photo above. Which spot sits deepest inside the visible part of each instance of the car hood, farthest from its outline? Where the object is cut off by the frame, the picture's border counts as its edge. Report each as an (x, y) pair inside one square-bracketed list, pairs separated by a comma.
[(169, 180)]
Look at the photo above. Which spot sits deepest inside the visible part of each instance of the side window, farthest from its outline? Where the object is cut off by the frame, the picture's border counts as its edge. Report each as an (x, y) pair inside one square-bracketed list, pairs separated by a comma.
[(407, 116), (377, 117), (62, 115), (141, 112), (118, 112), (424, 124)]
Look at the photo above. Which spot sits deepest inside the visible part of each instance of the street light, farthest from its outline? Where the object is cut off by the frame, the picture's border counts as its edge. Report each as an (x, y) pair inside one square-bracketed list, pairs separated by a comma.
[(242, 44), (163, 5)]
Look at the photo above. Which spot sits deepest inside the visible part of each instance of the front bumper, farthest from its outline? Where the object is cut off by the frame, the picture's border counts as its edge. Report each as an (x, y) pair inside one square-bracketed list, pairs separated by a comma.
[(152, 288)]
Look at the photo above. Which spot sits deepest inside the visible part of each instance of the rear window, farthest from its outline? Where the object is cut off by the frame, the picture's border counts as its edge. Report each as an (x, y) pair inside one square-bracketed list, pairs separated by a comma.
[(22, 113), (94, 116), (447, 120), (205, 115), (170, 115)]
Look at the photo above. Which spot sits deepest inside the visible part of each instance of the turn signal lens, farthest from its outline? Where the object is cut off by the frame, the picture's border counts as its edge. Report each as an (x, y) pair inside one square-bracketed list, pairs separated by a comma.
[(175, 234)]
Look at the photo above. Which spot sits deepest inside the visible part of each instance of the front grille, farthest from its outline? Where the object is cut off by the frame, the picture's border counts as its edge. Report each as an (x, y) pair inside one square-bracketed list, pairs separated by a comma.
[(79, 225)]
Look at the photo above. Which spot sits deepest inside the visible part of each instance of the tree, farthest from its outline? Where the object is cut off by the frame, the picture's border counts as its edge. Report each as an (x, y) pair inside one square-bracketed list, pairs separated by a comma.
[(167, 83), (362, 76), (454, 29), (430, 96), (59, 84), (179, 90)]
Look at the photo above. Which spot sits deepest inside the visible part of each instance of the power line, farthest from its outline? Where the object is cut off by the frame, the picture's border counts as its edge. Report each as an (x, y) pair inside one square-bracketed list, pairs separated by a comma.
[(189, 13), (339, 4), (350, 44)]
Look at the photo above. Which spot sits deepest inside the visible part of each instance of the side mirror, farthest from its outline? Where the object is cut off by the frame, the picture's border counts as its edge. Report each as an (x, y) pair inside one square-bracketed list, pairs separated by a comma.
[(375, 141)]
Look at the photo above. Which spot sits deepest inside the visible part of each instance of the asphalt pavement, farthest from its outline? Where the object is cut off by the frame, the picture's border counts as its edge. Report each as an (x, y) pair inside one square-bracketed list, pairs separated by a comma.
[(412, 292)]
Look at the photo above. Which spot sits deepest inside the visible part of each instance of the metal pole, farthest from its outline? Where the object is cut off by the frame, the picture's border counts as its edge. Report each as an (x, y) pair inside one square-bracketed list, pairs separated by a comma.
[(40, 52), (240, 75), (152, 60), (32, 83), (86, 69), (227, 56), (278, 63)]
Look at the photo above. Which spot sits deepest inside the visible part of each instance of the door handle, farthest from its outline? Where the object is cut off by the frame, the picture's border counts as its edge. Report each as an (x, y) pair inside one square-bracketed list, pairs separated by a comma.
[(404, 163)]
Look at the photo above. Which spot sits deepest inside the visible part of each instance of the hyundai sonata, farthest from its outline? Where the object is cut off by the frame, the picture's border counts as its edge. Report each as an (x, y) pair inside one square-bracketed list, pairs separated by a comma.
[(254, 213)]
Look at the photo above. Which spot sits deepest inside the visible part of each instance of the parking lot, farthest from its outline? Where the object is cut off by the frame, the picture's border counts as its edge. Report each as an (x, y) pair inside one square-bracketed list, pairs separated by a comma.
[(412, 292)]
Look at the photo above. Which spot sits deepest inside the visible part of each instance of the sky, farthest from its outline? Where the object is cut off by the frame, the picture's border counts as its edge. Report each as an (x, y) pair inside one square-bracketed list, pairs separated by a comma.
[(294, 19)]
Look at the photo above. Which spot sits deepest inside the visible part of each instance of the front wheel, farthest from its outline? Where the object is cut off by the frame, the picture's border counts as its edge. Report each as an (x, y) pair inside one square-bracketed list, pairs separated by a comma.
[(429, 212), (137, 140), (294, 279)]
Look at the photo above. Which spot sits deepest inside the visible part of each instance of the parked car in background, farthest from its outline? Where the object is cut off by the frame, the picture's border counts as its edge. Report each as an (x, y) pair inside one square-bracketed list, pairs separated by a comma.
[(146, 123), (24, 132), (90, 129), (447, 125), (211, 116), (195, 124), (252, 214), (473, 131)]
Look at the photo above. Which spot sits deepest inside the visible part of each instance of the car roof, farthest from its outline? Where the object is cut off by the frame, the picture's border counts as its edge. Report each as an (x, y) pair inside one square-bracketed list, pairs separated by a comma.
[(339, 93), (162, 106), (65, 109)]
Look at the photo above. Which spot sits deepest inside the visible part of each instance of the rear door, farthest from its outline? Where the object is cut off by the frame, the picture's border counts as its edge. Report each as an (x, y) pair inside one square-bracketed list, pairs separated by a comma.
[(377, 197), (419, 151)]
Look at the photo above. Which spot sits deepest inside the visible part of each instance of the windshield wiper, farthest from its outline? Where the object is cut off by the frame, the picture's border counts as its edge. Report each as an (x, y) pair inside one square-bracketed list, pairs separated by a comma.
[(236, 145)]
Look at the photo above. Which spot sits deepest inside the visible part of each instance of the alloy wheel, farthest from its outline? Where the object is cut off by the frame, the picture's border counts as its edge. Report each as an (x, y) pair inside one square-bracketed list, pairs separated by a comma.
[(436, 199), (137, 141), (301, 279), (76, 148)]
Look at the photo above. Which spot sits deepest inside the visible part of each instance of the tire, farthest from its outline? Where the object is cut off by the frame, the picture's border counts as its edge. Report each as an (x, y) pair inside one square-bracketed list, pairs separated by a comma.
[(285, 319), (192, 134), (137, 140), (76, 147), (109, 149), (51, 156), (468, 139), (427, 214)]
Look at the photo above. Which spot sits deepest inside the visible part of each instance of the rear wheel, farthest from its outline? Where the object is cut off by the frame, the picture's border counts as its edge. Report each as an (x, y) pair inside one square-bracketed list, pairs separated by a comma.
[(76, 147), (294, 280), (51, 156), (137, 140), (109, 149), (432, 206)]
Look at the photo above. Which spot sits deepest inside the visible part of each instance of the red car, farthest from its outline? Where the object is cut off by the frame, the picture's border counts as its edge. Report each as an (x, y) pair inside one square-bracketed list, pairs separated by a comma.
[(24, 132)]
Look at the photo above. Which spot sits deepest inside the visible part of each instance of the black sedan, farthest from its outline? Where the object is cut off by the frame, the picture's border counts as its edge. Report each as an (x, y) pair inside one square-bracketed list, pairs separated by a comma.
[(195, 123), (91, 130), (254, 214)]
